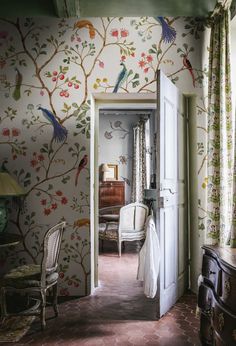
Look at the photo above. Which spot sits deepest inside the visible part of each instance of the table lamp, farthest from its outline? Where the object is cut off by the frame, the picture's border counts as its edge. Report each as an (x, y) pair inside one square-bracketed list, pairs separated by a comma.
[(105, 169), (8, 188)]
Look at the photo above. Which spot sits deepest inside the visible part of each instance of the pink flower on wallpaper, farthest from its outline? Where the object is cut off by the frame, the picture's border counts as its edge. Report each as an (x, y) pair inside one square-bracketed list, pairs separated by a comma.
[(5, 132), (114, 33), (142, 63), (41, 92), (149, 58), (146, 70), (123, 57), (143, 55), (101, 63), (15, 132), (124, 33)]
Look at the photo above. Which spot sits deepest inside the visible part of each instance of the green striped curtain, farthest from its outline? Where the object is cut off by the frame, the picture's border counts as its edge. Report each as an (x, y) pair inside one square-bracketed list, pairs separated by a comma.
[(221, 200)]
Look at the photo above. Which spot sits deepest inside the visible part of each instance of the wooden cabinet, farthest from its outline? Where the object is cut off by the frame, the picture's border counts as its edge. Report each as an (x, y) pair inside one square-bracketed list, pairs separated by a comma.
[(111, 193), (217, 297)]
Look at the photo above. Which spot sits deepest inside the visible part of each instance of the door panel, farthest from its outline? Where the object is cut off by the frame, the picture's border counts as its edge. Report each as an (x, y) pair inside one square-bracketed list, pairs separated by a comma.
[(171, 175)]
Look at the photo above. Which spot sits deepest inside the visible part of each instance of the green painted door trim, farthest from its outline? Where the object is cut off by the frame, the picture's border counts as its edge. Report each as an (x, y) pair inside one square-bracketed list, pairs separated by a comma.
[(67, 8)]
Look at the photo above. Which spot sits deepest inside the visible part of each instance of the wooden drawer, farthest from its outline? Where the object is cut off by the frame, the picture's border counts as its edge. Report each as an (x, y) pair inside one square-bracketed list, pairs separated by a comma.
[(211, 271), (224, 323), (228, 290)]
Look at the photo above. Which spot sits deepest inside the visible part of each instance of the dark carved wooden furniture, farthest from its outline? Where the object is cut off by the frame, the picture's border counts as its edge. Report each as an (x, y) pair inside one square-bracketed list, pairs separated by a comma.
[(111, 193), (217, 296)]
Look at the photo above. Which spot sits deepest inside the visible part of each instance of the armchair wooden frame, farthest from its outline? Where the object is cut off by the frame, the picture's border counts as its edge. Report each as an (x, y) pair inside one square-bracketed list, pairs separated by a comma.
[(45, 276)]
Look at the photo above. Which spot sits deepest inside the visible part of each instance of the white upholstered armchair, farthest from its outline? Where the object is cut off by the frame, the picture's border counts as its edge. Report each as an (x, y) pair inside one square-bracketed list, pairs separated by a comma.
[(129, 227)]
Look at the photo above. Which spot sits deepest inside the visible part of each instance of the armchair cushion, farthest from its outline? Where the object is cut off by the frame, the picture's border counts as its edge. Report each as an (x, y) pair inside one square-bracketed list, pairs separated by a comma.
[(26, 276), (108, 231)]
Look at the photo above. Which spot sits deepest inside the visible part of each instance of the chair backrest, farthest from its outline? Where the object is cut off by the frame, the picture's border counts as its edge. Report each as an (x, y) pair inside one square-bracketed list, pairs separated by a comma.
[(133, 217), (51, 249)]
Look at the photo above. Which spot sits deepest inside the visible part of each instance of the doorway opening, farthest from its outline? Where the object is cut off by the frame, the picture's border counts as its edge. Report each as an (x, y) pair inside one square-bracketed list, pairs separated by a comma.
[(107, 102), (171, 188)]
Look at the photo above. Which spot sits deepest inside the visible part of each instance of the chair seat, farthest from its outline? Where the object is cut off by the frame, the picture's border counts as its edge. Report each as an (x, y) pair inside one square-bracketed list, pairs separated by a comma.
[(133, 235), (26, 276), (108, 231)]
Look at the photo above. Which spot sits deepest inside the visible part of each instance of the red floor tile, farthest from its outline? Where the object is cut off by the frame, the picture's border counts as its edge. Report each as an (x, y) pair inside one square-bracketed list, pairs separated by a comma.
[(118, 314)]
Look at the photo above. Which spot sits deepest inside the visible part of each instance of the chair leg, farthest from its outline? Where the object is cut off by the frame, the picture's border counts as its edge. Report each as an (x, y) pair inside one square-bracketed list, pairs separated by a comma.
[(119, 248), (54, 301), (43, 309), (3, 303)]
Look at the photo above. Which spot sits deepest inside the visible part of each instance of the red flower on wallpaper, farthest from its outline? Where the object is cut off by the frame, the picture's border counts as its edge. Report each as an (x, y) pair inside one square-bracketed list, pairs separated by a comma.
[(142, 63), (33, 163), (6, 132), (40, 157), (114, 33), (124, 33), (54, 206), (58, 193), (146, 62), (61, 275), (15, 132), (47, 211), (64, 200), (43, 201)]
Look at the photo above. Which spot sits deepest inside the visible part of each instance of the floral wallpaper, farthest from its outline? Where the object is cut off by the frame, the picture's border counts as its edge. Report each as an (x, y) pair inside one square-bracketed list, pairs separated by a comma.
[(48, 68)]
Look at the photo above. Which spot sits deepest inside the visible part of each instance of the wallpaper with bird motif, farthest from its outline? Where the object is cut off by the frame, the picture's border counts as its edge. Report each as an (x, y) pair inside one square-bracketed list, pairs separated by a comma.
[(48, 69)]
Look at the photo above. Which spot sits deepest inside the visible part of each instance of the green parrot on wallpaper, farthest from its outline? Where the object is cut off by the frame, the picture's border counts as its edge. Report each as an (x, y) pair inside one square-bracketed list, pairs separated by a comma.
[(18, 80)]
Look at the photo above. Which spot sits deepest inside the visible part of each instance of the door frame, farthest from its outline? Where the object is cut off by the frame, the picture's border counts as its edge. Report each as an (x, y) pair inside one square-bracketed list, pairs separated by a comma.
[(98, 101)]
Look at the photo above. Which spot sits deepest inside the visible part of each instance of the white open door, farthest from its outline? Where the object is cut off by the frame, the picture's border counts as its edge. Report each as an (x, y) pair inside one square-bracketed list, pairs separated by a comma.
[(171, 196)]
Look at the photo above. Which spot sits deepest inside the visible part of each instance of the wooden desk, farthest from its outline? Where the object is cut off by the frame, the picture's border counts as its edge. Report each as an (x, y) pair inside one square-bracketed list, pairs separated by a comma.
[(9, 239)]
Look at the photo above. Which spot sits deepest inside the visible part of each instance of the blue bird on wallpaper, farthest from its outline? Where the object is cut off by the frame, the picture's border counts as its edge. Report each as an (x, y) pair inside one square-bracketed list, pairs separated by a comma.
[(59, 132), (121, 78), (168, 33)]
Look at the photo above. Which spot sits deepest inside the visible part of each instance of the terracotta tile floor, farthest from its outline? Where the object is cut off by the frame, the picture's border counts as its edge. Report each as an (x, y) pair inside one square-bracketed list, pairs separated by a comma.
[(118, 313)]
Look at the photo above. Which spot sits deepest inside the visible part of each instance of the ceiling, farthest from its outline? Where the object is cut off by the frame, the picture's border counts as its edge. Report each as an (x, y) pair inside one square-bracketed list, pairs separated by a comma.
[(106, 8)]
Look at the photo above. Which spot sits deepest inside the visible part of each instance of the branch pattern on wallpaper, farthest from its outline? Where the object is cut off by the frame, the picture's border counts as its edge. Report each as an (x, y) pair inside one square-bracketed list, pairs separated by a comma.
[(48, 69)]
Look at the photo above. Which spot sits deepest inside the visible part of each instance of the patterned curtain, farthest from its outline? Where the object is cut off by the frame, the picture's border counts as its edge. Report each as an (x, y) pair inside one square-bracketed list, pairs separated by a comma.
[(221, 133), (139, 163)]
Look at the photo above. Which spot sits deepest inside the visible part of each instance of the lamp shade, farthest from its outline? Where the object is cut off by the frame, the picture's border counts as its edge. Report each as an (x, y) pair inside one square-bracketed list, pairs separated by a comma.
[(9, 186), (105, 168)]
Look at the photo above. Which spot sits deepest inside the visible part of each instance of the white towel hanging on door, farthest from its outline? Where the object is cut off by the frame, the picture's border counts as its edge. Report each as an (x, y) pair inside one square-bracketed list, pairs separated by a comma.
[(149, 259)]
